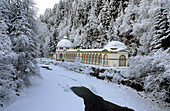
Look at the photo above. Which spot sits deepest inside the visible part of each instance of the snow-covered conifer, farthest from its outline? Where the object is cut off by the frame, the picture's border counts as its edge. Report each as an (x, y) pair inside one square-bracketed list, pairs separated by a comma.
[(24, 40), (8, 80), (161, 36)]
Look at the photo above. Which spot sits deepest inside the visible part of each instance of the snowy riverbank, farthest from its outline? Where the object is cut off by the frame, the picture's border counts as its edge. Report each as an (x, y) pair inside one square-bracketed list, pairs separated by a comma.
[(111, 74), (53, 93)]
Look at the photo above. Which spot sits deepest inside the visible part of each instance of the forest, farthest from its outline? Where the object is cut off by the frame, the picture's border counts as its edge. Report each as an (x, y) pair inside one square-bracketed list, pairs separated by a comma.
[(18, 48), (143, 25)]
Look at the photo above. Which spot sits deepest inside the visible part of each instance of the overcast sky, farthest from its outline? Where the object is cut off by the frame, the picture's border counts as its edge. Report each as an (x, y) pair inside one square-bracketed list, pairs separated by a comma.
[(43, 4)]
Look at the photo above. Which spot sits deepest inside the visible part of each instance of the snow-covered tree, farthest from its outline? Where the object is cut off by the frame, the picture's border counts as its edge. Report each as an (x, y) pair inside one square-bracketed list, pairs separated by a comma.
[(153, 72), (18, 47), (44, 39), (161, 37), (91, 30), (8, 80), (24, 39), (143, 25)]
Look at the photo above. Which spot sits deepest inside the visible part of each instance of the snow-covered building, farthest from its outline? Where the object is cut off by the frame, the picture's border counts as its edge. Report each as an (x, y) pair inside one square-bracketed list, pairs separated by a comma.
[(113, 54)]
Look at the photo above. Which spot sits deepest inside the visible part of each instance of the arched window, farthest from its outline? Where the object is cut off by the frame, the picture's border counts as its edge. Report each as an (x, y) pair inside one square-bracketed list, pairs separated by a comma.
[(85, 58), (90, 58), (82, 58), (100, 59), (56, 56), (97, 59), (93, 59), (78, 56), (105, 59), (61, 56), (122, 60)]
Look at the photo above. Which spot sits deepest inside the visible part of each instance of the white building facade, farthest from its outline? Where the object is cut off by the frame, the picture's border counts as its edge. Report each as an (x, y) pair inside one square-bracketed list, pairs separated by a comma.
[(113, 54)]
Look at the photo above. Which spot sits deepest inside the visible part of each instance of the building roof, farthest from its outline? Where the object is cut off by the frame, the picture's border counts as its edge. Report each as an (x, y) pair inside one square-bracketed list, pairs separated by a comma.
[(94, 50), (86, 50), (115, 46), (65, 42)]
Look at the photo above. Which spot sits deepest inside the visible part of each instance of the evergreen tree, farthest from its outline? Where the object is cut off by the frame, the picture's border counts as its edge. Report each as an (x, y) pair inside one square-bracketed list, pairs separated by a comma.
[(91, 29), (8, 80), (24, 39), (43, 36), (127, 21), (161, 38)]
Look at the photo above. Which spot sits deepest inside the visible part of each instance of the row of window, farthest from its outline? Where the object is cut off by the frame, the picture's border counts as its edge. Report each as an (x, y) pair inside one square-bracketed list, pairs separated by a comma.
[(61, 48), (95, 59), (88, 58)]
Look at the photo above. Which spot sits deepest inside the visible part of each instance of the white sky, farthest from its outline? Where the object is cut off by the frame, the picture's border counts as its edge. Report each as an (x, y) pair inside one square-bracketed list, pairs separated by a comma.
[(43, 4)]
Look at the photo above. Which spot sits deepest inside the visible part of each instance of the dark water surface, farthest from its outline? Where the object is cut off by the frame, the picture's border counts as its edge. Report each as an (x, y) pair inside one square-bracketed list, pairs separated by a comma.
[(96, 103)]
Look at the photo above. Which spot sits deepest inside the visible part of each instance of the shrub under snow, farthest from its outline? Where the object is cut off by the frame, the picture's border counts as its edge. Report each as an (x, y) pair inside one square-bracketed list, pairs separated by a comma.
[(153, 71)]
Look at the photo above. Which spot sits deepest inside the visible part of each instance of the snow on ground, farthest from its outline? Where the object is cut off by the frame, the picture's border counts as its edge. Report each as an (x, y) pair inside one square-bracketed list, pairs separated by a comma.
[(53, 93)]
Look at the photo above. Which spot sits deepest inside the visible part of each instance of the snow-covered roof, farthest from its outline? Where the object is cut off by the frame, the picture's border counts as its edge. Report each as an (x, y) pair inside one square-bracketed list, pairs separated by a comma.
[(89, 50), (95, 50), (85, 50), (115, 46), (65, 42)]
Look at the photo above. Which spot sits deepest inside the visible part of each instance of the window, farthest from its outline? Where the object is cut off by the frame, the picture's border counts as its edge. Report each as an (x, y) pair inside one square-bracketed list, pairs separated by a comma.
[(73, 56), (85, 58), (93, 59), (97, 59), (82, 57), (78, 56), (122, 60), (61, 56), (100, 59), (105, 60)]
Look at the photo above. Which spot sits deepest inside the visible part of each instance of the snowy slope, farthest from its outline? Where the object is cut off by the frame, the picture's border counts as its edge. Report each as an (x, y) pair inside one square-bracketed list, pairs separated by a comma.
[(53, 93)]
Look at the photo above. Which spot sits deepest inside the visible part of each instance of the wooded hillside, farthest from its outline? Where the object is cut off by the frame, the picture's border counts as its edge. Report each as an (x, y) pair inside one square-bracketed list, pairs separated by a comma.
[(143, 25)]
